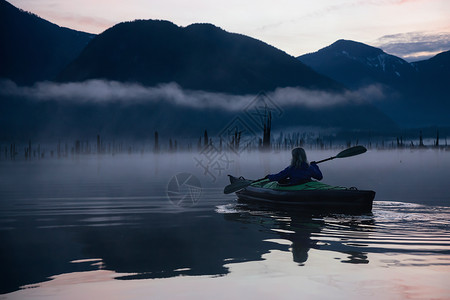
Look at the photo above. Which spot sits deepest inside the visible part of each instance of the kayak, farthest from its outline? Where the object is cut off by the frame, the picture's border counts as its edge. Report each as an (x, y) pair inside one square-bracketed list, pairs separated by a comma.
[(311, 195)]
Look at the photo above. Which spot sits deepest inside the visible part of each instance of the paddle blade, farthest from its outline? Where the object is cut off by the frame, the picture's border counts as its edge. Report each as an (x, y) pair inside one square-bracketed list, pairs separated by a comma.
[(352, 151), (236, 186)]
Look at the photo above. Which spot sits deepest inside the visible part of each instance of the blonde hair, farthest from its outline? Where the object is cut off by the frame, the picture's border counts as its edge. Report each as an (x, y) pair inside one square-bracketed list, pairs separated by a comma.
[(298, 157)]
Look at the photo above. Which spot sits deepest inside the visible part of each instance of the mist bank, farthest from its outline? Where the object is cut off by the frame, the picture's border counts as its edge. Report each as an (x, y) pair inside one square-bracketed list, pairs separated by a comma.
[(115, 109), (131, 93)]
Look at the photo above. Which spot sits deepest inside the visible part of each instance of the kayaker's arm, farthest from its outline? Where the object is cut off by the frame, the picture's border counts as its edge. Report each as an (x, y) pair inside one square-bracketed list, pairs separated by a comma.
[(315, 171), (281, 175)]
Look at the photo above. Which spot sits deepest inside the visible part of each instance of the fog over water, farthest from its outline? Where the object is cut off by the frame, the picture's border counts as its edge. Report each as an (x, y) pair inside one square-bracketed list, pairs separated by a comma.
[(417, 176), (104, 91), (99, 225)]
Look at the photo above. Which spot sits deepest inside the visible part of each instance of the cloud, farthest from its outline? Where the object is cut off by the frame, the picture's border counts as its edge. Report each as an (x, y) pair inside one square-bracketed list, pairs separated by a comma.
[(318, 99), (414, 46), (102, 91)]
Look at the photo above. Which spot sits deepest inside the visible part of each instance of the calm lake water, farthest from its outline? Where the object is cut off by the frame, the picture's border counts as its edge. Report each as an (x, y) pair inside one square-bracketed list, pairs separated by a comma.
[(118, 228)]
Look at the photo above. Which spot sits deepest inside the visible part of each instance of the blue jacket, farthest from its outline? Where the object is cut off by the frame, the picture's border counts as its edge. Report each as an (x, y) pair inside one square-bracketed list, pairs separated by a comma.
[(298, 175)]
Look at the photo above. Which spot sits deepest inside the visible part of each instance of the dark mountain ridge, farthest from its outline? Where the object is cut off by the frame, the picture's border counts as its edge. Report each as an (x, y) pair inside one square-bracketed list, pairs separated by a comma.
[(356, 64), (434, 74), (197, 57), (33, 49), (417, 94)]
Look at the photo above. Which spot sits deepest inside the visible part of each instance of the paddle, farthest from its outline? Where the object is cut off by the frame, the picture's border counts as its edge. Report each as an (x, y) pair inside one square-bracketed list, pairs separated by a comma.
[(240, 184), (356, 150)]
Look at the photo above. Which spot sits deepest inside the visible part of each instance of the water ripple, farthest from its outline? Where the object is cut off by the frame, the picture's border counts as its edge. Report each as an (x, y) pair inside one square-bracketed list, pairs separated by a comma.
[(394, 228)]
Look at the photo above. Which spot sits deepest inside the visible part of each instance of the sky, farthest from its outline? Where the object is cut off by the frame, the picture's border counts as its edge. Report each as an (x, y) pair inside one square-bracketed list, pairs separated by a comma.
[(411, 29)]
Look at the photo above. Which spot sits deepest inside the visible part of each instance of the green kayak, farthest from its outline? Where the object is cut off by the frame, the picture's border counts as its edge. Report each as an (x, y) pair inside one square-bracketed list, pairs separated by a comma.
[(311, 195)]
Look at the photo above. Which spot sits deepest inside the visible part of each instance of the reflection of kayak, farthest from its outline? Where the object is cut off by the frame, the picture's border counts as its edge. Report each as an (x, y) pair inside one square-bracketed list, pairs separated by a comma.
[(311, 195)]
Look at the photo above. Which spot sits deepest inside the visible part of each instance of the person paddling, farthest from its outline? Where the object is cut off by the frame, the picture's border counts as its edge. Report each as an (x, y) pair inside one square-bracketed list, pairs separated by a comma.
[(298, 172)]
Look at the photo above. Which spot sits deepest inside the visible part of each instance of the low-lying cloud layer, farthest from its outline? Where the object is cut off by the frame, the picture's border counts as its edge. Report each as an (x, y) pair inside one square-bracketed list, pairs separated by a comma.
[(101, 91)]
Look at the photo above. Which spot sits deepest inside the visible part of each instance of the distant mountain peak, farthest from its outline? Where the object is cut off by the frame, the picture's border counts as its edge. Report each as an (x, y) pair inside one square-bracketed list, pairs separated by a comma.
[(204, 26), (199, 57), (353, 48), (411, 85), (363, 64), (350, 43)]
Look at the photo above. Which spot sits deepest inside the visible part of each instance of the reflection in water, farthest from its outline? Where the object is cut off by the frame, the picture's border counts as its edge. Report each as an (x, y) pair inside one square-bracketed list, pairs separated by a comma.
[(302, 229), (394, 229), (139, 240), (141, 237), (169, 245)]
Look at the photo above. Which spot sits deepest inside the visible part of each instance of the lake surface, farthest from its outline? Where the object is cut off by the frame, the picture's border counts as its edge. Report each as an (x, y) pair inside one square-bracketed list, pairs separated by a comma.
[(117, 227)]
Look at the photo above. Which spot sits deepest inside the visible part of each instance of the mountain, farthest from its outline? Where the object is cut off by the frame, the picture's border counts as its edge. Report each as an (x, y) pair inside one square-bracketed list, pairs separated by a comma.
[(197, 57), (356, 64), (33, 49), (416, 94), (437, 65), (434, 75)]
